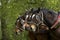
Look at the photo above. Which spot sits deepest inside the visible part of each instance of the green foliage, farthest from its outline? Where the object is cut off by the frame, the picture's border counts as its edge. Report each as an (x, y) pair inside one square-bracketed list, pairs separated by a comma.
[(11, 9)]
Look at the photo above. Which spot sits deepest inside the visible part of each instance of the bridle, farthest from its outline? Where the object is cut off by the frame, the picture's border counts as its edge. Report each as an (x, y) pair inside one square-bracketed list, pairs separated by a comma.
[(40, 23)]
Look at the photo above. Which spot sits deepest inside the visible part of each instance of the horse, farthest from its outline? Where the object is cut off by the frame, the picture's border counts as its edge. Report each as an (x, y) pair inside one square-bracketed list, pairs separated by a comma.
[(39, 24)]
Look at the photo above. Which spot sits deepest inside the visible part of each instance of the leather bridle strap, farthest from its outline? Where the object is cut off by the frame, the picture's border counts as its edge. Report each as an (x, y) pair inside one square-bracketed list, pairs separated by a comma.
[(56, 22)]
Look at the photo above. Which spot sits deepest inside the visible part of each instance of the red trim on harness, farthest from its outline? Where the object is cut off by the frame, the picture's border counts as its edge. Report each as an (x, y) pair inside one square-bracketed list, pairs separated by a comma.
[(56, 22), (59, 18)]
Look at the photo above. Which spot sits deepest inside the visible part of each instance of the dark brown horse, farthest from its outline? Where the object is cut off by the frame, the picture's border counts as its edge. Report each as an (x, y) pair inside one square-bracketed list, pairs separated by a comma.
[(39, 24)]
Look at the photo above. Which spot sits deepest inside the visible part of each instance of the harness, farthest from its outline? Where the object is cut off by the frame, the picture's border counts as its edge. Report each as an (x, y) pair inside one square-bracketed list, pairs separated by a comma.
[(56, 22)]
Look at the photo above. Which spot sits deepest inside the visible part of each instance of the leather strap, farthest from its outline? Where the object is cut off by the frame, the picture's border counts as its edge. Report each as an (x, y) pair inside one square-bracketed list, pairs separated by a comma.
[(56, 22)]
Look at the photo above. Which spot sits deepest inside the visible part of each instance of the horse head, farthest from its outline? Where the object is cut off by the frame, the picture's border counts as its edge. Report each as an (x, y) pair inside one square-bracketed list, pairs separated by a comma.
[(33, 20)]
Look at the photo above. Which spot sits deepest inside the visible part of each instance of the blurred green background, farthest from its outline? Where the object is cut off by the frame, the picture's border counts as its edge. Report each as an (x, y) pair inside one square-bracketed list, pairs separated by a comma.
[(11, 9)]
